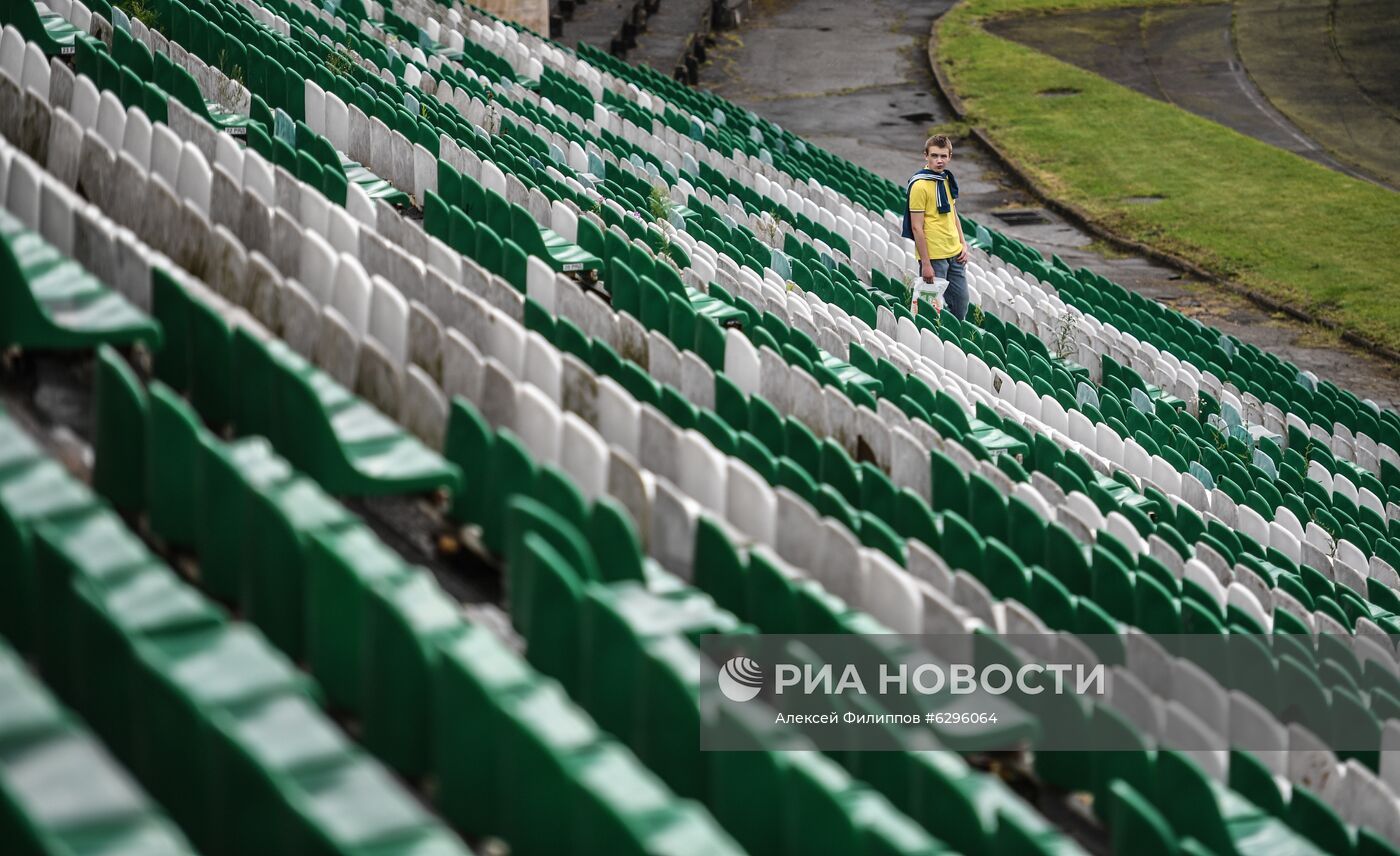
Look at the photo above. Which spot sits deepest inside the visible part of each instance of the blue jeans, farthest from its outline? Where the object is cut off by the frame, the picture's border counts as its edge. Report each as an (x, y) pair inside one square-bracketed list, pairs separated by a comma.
[(955, 298)]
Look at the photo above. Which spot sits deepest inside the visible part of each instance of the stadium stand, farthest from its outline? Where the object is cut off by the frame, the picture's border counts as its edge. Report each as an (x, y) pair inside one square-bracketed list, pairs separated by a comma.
[(367, 246)]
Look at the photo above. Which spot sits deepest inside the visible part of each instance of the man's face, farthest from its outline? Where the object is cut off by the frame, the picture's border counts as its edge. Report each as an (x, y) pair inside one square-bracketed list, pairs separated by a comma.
[(937, 158)]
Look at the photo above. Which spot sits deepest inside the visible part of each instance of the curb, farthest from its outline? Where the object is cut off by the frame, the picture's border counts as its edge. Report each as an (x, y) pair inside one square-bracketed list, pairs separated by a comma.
[(1083, 220)]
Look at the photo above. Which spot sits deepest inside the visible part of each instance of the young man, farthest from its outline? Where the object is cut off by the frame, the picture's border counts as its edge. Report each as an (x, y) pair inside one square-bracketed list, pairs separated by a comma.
[(931, 219)]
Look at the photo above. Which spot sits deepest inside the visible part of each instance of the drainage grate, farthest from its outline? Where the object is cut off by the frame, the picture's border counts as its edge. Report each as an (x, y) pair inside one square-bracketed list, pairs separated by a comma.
[(1021, 216)]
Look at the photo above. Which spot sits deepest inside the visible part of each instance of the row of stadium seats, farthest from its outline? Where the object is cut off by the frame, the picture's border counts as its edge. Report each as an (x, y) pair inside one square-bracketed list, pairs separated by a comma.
[(212, 721)]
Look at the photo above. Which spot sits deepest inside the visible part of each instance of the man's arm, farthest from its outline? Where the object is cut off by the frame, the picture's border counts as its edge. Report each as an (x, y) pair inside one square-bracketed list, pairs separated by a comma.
[(916, 223)]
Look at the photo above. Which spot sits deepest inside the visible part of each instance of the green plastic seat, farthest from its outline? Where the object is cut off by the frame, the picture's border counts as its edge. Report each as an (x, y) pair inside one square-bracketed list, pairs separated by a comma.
[(60, 789), (549, 245), (50, 302), (342, 442), (52, 33), (181, 680), (1219, 818), (94, 549), (40, 491), (119, 470), (375, 187), (407, 621)]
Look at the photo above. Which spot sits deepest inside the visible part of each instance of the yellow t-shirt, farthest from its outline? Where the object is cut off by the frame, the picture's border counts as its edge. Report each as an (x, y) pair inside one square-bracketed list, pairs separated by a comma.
[(941, 230)]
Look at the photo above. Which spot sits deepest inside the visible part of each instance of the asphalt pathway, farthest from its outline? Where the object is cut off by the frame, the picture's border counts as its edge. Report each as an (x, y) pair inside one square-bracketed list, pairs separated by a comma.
[(854, 78), (1187, 57)]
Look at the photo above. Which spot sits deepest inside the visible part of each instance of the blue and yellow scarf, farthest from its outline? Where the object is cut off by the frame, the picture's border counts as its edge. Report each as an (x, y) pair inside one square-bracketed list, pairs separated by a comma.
[(947, 191)]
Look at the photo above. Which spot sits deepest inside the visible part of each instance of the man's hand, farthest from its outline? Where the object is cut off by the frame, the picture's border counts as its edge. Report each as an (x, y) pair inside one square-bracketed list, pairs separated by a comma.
[(926, 271), (962, 254)]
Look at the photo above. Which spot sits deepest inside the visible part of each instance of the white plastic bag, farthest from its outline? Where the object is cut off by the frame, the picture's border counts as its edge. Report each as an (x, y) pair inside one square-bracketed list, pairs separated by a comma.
[(930, 291)]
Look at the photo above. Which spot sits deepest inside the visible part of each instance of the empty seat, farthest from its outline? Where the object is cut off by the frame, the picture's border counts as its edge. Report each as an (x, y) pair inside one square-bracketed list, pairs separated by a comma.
[(50, 302)]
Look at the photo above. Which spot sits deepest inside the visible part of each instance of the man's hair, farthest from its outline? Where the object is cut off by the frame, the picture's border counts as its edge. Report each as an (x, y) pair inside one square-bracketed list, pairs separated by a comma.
[(938, 141)]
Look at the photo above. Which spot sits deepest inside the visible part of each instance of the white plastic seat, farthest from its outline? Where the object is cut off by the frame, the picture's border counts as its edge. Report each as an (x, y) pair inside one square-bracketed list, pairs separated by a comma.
[(578, 159), (492, 178), (314, 98), (388, 320), (80, 16), (165, 153), (136, 138), (1081, 430), (543, 366), (741, 362), (56, 217), (227, 153), (84, 102), (1166, 476), (22, 192), (316, 271), (111, 120), (563, 221), (619, 416), (12, 54), (193, 178), (1052, 413), (337, 122), (342, 231), (539, 424), (258, 177), (1136, 459), (351, 291), (540, 284), (890, 594), (702, 471), (36, 71), (1107, 443)]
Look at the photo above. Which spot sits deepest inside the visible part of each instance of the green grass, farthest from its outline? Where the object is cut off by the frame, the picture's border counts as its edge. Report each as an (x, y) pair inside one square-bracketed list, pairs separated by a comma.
[(1243, 209)]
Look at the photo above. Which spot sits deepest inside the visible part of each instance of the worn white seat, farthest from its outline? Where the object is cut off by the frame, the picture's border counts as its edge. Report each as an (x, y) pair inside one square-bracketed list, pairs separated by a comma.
[(337, 122), (702, 472), (56, 216), (227, 153), (22, 192), (193, 179), (388, 320), (741, 362), (84, 102), (350, 289), (165, 153), (492, 178), (80, 16), (890, 594), (317, 268), (1052, 413), (540, 285), (342, 231), (111, 120), (750, 503), (35, 75), (539, 424), (259, 178), (618, 416), (12, 54), (543, 366), (314, 99)]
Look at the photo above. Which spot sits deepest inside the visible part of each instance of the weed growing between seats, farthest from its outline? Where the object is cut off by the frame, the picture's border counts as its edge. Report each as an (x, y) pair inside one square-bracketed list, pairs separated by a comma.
[(1270, 220)]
